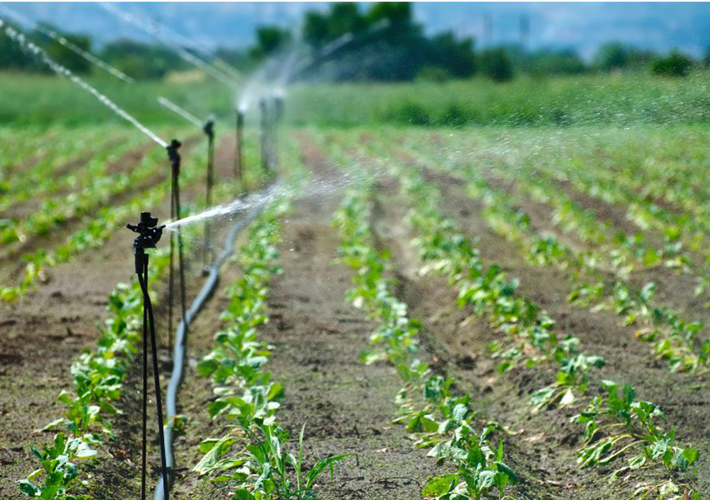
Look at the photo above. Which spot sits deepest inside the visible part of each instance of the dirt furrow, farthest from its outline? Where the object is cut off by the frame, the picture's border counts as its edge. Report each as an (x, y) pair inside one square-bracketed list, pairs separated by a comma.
[(41, 335), (346, 406), (628, 360)]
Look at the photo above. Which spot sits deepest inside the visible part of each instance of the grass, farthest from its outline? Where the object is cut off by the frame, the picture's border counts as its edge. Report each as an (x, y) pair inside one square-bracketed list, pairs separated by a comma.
[(589, 99), (40, 100), (46, 100)]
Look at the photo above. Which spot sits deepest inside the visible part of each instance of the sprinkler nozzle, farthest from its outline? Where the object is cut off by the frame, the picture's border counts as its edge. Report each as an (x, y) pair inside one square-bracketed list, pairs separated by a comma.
[(173, 150), (208, 128), (149, 232)]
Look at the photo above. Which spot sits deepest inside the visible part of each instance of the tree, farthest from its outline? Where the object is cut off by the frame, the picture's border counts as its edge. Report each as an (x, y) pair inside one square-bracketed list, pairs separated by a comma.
[(555, 62), (612, 56), (142, 60), (345, 18), (316, 31), (496, 65), (269, 39), (706, 57), (342, 18), (64, 56), (674, 64), (398, 14), (456, 57)]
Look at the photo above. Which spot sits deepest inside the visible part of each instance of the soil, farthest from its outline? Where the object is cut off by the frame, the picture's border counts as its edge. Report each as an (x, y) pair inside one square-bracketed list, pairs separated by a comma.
[(43, 332), (317, 338), (12, 252), (27, 207), (683, 397)]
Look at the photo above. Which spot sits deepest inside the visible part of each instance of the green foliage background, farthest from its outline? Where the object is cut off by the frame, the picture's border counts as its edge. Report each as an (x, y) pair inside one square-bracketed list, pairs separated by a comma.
[(622, 99)]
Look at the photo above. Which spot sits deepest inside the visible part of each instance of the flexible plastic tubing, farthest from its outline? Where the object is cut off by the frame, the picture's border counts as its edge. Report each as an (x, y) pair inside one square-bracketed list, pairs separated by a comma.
[(180, 349)]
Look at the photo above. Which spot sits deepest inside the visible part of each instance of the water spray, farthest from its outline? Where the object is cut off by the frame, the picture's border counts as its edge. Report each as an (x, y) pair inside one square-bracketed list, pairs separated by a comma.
[(278, 114), (154, 30), (175, 214), (38, 52), (149, 234), (191, 44), (66, 43), (238, 148), (180, 111), (338, 46)]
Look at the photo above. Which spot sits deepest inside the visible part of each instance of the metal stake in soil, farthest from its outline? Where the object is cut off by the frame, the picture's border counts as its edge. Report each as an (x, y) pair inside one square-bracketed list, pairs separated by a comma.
[(175, 214), (149, 234), (275, 122), (239, 151), (209, 131), (265, 159)]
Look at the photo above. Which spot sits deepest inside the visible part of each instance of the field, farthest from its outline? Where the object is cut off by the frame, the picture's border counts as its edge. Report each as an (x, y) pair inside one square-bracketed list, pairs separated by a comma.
[(467, 290)]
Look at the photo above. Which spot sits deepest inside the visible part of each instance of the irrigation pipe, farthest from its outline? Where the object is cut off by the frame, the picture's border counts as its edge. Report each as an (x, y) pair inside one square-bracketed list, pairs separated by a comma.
[(180, 344)]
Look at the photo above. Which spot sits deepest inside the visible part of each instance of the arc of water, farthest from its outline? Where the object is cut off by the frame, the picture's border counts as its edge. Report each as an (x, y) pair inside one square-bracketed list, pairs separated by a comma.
[(180, 111), (22, 40), (16, 16), (153, 31)]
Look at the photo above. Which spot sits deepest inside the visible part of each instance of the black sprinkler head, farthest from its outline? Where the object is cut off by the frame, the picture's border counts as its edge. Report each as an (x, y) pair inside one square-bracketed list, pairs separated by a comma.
[(149, 232), (208, 128), (173, 149)]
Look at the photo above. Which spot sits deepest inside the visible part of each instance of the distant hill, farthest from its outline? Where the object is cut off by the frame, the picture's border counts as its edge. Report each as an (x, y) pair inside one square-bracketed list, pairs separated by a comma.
[(583, 26)]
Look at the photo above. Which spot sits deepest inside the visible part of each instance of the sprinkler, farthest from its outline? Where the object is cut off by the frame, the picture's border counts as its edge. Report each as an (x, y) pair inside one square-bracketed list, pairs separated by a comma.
[(208, 129), (275, 122), (278, 108), (175, 214), (239, 151), (265, 159), (149, 234)]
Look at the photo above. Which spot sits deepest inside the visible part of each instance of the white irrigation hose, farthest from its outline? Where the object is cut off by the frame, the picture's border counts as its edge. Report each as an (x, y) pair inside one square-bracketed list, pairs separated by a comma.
[(181, 344)]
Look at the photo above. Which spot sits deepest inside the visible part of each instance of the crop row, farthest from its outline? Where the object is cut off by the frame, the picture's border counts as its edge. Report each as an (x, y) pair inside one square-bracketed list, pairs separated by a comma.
[(600, 272), (99, 375), (98, 384), (532, 341), (607, 264), (617, 423), (667, 199), (100, 226), (95, 193), (55, 174), (27, 152), (253, 455), (443, 421)]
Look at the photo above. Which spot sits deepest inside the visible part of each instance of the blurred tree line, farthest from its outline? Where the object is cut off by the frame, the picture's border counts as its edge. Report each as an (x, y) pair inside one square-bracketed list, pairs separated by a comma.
[(382, 42)]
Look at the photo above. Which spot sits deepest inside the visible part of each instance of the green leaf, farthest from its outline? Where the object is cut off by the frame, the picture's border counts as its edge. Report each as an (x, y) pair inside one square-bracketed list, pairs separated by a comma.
[(83, 451), (27, 488), (439, 485), (209, 461), (207, 367), (502, 467), (242, 494), (53, 425)]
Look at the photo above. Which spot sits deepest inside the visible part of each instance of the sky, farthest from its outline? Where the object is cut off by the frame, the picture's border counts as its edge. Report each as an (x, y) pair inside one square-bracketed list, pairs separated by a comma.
[(581, 26)]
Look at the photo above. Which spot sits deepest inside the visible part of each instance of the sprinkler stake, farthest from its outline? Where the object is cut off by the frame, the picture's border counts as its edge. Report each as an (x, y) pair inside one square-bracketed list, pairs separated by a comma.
[(175, 214), (149, 234), (239, 150), (208, 129), (265, 157)]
